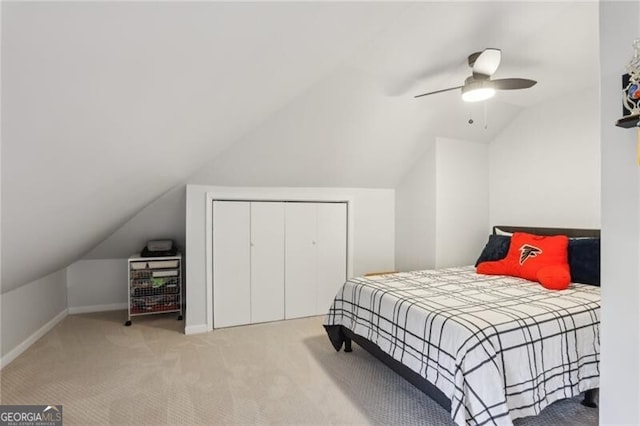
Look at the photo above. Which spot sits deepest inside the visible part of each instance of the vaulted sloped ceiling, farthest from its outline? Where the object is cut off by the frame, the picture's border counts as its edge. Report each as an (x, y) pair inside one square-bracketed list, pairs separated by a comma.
[(345, 132), (108, 105), (361, 126)]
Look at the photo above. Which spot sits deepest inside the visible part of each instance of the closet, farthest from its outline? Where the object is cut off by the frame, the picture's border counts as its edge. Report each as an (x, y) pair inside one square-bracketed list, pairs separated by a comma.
[(276, 259)]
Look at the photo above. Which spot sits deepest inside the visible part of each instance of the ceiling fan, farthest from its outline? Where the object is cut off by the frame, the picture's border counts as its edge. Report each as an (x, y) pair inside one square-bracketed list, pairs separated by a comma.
[(479, 86)]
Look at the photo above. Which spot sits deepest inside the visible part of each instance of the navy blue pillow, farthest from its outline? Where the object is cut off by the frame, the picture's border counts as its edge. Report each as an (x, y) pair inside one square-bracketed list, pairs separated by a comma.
[(584, 260), (496, 248)]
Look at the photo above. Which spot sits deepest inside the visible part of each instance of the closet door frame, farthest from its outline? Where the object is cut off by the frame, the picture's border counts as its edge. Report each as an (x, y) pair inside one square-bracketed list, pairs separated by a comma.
[(270, 194)]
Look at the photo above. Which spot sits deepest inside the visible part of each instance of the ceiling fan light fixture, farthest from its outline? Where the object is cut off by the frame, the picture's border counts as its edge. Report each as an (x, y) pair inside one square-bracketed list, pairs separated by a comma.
[(477, 95), (479, 86), (477, 91)]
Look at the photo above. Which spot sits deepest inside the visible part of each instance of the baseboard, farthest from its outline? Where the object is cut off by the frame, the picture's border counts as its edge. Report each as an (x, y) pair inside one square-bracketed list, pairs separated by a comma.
[(15, 352), (97, 308), (196, 329)]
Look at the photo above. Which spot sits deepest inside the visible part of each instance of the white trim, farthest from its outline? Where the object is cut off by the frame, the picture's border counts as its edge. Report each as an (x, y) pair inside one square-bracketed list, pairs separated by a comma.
[(196, 329), (269, 194), (208, 252), (97, 308), (18, 350)]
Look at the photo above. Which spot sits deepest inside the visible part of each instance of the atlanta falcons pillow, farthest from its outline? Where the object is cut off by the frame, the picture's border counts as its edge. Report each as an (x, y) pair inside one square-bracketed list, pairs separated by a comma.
[(535, 258)]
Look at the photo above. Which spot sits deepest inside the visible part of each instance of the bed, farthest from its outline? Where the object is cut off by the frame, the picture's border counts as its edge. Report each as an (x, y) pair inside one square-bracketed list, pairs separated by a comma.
[(488, 348)]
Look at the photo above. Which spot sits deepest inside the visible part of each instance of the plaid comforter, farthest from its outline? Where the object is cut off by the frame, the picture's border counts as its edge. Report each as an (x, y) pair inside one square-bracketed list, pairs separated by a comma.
[(498, 347)]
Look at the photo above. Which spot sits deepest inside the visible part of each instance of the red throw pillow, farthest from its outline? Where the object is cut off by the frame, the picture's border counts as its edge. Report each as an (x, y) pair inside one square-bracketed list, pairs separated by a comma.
[(554, 277), (535, 258)]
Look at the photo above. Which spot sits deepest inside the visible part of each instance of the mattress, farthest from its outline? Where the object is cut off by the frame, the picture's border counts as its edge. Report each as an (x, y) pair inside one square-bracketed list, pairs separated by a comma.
[(498, 347)]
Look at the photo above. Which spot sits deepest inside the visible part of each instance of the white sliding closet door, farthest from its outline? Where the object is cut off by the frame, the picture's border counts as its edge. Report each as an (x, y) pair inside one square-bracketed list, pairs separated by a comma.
[(231, 263), (332, 252), (276, 259), (267, 261), (301, 268), (316, 256)]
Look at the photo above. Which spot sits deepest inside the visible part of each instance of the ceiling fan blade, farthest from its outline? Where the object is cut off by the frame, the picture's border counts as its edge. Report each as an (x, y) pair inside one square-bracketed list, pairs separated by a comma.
[(438, 91), (486, 62), (512, 83)]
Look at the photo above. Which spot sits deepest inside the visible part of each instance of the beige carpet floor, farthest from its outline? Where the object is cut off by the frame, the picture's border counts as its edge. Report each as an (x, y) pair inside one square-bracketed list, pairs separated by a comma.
[(276, 373)]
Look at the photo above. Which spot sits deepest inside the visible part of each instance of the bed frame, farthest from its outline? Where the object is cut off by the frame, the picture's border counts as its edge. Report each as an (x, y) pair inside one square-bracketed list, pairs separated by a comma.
[(569, 232), (342, 334)]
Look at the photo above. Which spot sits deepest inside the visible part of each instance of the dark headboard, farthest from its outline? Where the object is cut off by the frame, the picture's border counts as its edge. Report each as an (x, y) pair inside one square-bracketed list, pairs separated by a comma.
[(569, 232)]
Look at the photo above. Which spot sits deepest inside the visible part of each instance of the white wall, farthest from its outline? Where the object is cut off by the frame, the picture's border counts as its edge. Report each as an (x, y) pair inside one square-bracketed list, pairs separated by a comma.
[(97, 285), (620, 332), (442, 206), (545, 166), (29, 311), (461, 201), (416, 215), (98, 282), (1, 332), (373, 235)]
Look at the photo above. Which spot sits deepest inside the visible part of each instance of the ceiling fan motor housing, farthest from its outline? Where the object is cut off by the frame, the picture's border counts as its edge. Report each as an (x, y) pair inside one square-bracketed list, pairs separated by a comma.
[(485, 63)]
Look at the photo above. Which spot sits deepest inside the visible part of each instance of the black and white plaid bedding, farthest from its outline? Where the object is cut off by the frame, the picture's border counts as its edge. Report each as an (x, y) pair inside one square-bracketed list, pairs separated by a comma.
[(498, 347)]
